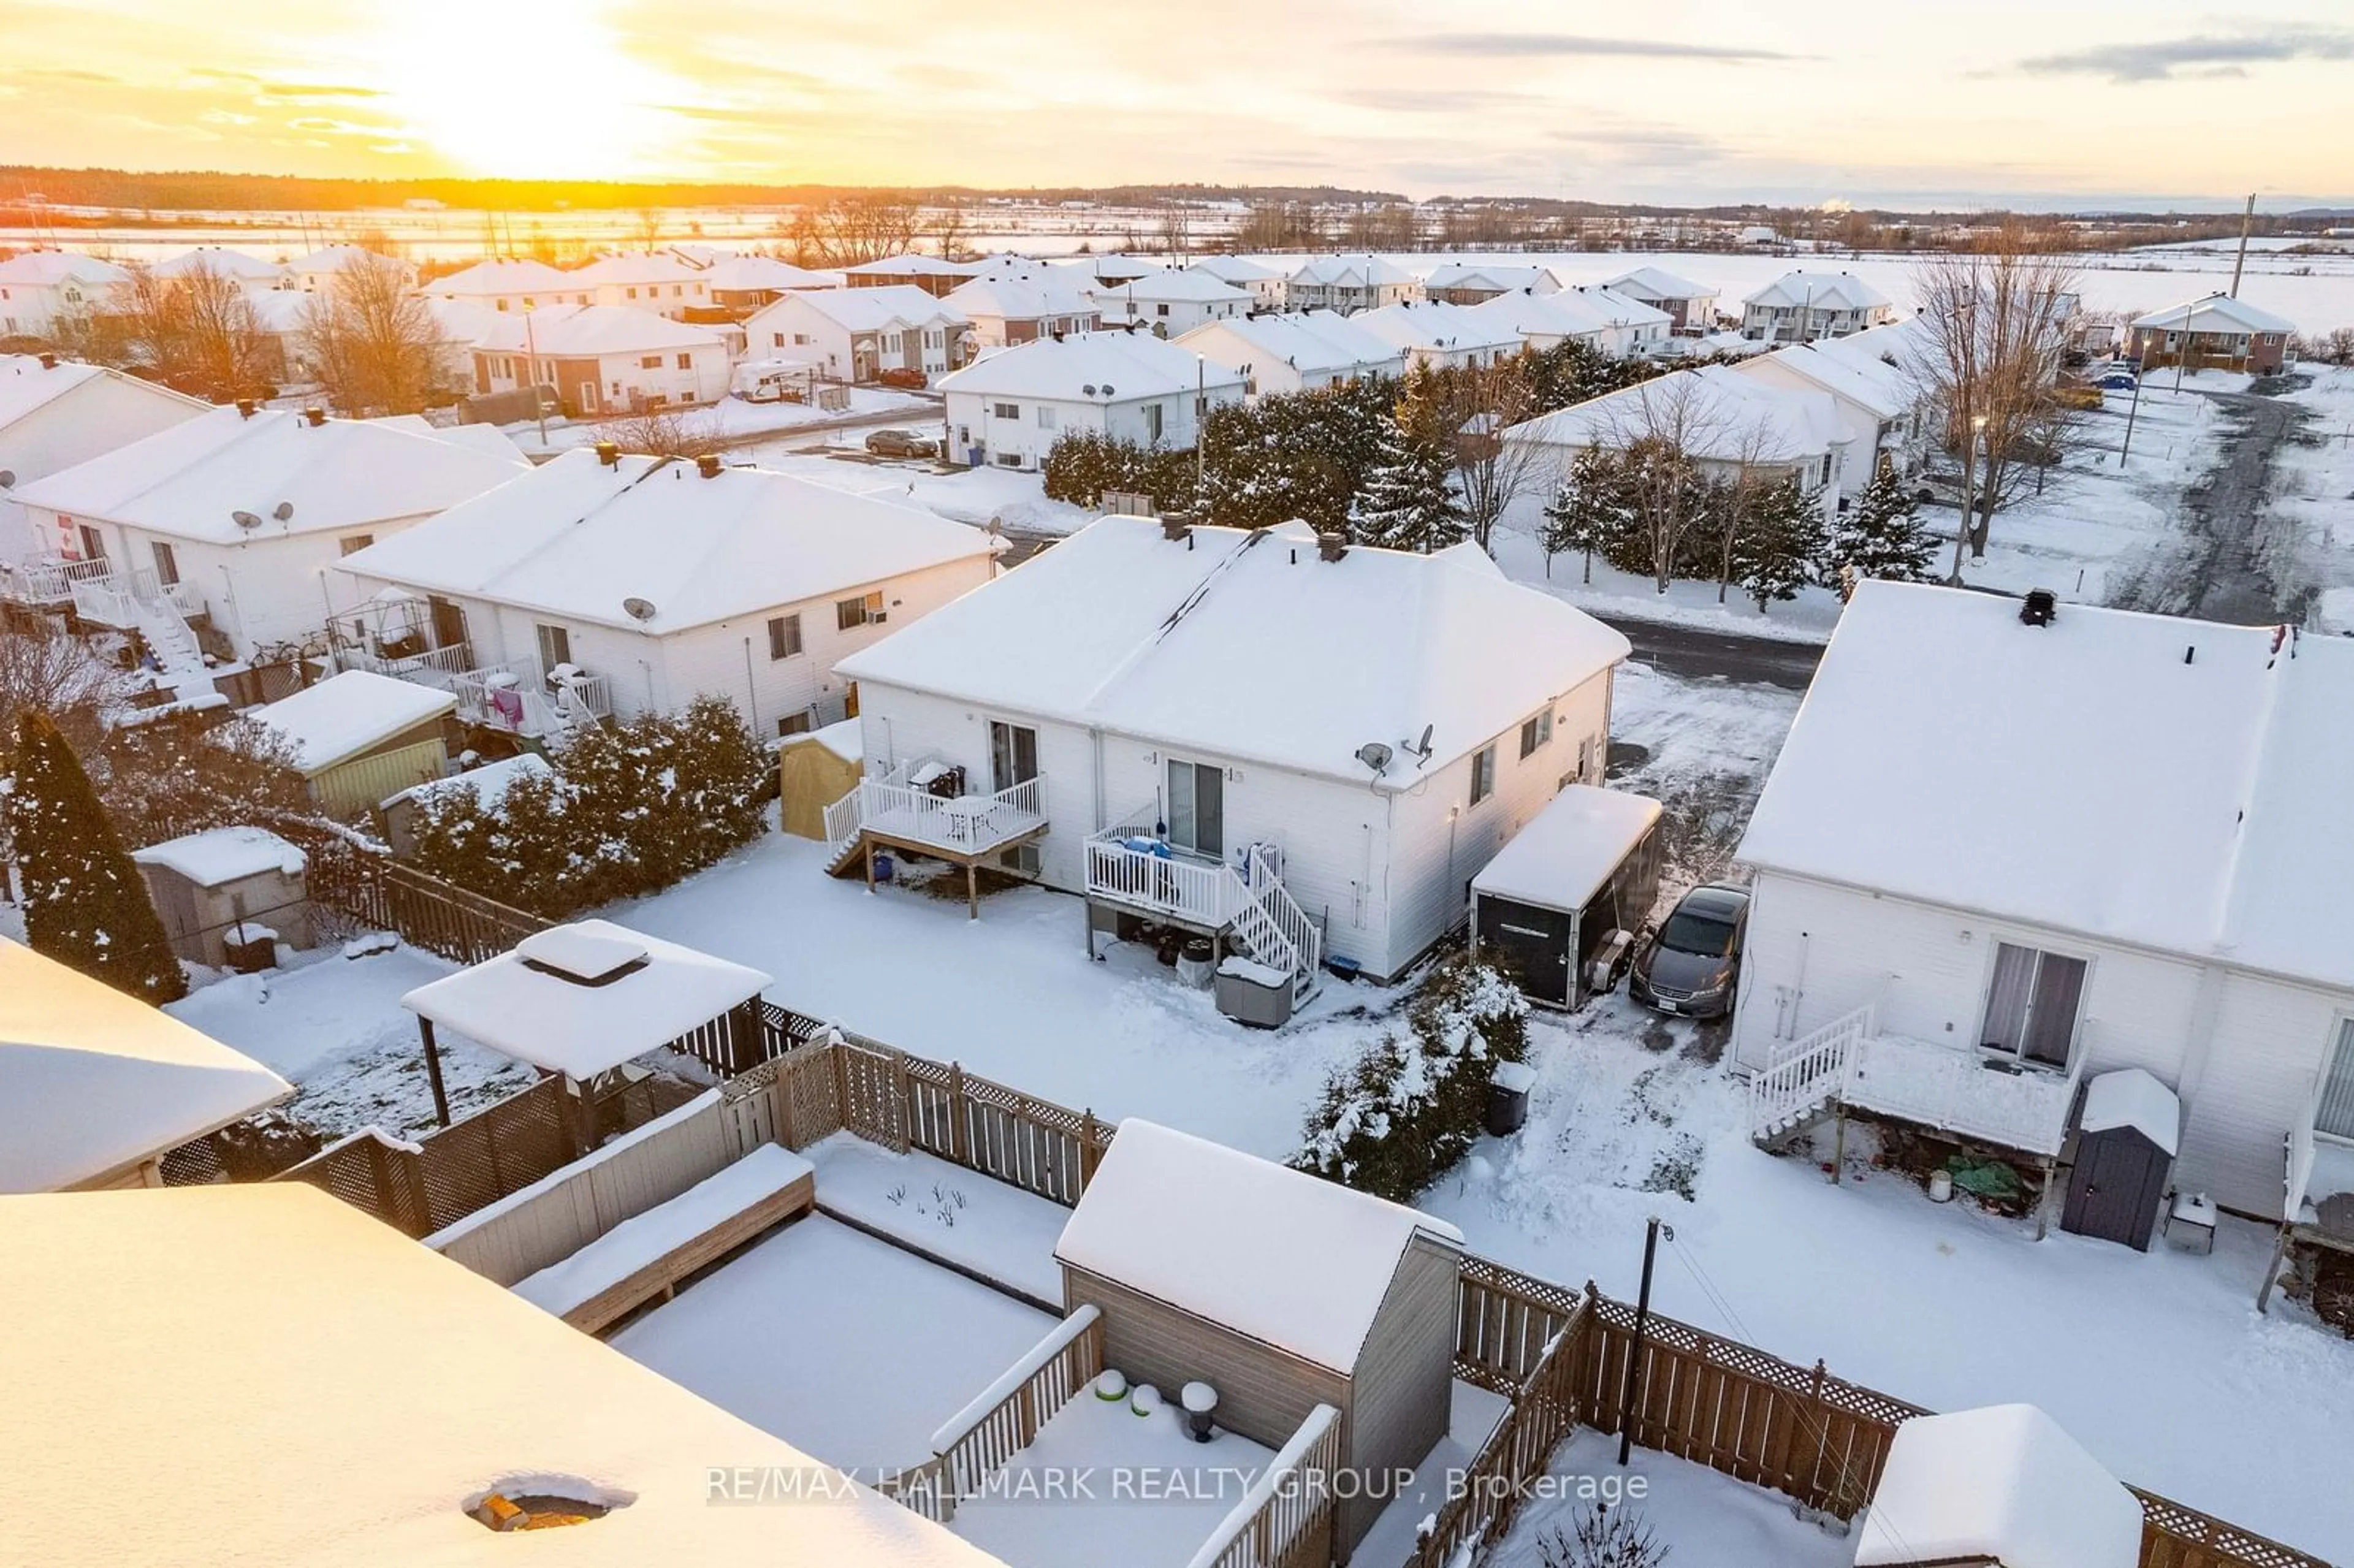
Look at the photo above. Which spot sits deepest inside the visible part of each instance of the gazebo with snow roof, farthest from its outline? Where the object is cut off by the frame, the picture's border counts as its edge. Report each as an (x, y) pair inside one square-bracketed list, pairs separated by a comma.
[(579, 1001)]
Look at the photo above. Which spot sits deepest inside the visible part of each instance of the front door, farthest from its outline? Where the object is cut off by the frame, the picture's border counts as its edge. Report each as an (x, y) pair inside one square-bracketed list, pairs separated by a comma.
[(449, 621), (1197, 807), (93, 544), (167, 565), (2031, 1004)]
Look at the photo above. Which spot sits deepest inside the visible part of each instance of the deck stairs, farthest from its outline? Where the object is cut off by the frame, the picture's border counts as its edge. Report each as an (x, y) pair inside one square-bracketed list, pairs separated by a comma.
[(1130, 866), (1808, 1078)]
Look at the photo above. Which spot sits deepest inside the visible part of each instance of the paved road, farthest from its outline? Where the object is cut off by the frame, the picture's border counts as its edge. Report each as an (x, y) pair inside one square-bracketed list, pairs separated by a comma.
[(2233, 552), (1684, 650)]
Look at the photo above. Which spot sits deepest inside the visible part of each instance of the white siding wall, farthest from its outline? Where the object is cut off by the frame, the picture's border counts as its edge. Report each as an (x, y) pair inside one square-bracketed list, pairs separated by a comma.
[(897, 725), (704, 381), (972, 420), (771, 331), (2260, 1077)]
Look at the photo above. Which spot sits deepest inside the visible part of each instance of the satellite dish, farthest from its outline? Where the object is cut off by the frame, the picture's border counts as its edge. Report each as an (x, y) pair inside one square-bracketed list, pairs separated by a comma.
[(1373, 755), (1106, 391), (245, 519), (1421, 748), (283, 511), (637, 608), (1089, 389)]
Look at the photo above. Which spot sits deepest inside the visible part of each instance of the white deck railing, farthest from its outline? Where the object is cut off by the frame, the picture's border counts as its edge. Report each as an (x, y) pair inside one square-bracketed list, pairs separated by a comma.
[(515, 696), (434, 667), (960, 825), (49, 579), (1130, 864), (1168, 881), (1805, 1074)]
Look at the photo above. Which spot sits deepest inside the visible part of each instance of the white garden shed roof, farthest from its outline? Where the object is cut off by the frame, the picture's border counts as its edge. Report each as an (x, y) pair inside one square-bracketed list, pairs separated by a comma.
[(584, 998), (1565, 852), (219, 855), (2002, 1484), (357, 1391), (2132, 1096), (1256, 1247), (344, 715), (93, 1080)]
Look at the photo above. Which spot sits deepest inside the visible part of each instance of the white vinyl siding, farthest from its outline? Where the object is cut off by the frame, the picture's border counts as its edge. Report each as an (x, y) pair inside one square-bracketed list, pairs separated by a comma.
[(2335, 1115)]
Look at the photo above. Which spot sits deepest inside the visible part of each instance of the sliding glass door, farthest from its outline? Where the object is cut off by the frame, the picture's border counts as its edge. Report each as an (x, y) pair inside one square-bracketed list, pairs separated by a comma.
[(1197, 807), (2031, 1004)]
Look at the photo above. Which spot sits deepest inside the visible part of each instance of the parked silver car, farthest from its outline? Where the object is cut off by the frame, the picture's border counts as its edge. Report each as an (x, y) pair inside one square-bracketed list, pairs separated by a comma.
[(1691, 965)]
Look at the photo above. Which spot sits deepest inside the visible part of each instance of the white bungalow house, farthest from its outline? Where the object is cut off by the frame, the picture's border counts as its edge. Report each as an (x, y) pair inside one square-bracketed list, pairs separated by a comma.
[(652, 580), (861, 332), (1441, 336), (1263, 284), (54, 414), (1294, 351), (518, 285), (933, 275), (2218, 330), (1600, 318), (249, 272), (1349, 285), (316, 273), (1009, 409), (40, 287), (742, 284), (1304, 748), (663, 284), (1869, 378), (1008, 308), (2118, 841), (1109, 270), (1691, 306), (235, 515), (1170, 302), (1728, 422), (1472, 283), (1800, 306), (603, 359)]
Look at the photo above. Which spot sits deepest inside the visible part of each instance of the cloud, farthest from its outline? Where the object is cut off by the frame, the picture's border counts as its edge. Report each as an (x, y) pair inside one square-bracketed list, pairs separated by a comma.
[(315, 92), (1576, 46), (2204, 56), (1435, 99)]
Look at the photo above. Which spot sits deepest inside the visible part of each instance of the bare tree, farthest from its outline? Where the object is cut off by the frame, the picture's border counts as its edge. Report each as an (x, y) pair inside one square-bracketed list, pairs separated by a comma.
[(664, 432), (950, 222), (1176, 221), (1751, 450), (44, 670), (198, 332), (375, 346), (649, 228), (1477, 405), (850, 230)]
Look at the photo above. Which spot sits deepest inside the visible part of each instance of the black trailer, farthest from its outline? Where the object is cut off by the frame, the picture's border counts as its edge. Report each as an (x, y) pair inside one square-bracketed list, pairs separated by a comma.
[(1583, 867)]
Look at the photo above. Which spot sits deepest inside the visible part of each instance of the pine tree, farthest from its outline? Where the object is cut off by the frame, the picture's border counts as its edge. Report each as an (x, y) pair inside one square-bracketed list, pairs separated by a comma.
[(84, 904), (1880, 536), (1778, 543), (1408, 501), (1585, 512)]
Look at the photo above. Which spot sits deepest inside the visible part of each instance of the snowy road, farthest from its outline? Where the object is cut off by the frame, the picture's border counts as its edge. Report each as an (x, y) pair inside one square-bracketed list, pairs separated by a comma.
[(2231, 563)]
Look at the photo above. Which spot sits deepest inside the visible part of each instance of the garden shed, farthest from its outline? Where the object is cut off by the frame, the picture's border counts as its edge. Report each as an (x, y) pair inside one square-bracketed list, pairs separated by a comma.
[(1585, 865), (2001, 1486), (2126, 1136), (227, 886), (490, 783), (359, 736), (814, 769), (1280, 1290)]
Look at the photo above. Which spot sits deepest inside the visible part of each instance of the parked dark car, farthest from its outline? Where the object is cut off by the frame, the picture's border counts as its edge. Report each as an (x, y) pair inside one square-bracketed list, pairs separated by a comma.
[(1691, 965), (902, 444), (2116, 381)]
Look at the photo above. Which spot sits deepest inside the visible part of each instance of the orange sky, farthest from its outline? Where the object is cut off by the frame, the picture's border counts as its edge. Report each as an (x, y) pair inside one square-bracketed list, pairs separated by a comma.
[(1676, 99)]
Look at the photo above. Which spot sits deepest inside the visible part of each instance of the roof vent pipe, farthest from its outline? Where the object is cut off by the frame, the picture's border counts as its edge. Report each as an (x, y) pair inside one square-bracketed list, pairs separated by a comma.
[(2040, 607)]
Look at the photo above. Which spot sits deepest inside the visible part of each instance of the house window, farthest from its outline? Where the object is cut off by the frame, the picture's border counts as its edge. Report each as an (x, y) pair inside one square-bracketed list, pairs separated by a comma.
[(1009, 460), (2031, 1004), (851, 613), (801, 339), (1153, 422), (1536, 731), (1045, 417), (555, 646), (351, 542), (1006, 410), (650, 362), (794, 724), (779, 338), (1197, 807), (2335, 1115), (1483, 773), (687, 362), (784, 636), (167, 565)]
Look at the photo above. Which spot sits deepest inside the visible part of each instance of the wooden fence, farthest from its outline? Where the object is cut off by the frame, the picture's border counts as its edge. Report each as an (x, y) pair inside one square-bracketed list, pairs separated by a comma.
[(387, 894), (1547, 1407), (977, 1441)]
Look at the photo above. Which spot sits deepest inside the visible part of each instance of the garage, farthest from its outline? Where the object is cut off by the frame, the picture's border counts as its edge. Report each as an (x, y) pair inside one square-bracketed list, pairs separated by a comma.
[(1583, 867)]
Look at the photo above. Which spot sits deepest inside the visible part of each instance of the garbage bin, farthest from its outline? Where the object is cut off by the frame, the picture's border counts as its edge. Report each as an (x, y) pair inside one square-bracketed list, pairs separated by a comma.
[(248, 949), (1507, 1097), (1196, 960)]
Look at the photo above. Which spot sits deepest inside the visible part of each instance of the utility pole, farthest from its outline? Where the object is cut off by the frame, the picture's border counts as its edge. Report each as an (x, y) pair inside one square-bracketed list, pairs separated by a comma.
[(2247, 221), (1201, 433), (1631, 1388)]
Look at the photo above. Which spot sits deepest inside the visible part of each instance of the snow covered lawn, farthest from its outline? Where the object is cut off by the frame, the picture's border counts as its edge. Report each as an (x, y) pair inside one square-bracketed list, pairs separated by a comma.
[(1702, 1518), (995, 1229), (845, 1345)]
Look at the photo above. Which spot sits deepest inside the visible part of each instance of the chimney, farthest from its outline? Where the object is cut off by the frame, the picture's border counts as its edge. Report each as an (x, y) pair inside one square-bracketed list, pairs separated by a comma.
[(48, 362), (609, 453), (246, 407), (708, 465), (315, 417), (2040, 607), (1331, 546), (1176, 525)]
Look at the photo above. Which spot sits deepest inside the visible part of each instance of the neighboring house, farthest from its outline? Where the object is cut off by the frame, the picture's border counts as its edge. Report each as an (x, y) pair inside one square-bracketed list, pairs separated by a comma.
[(665, 285), (2218, 330), (358, 738), (858, 333), (655, 580), (1281, 1290), (1009, 308), (316, 273), (224, 887), (1349, 285), (1729, 423), (235, 515), (1441, 336), (934, 276), (250, 273), (1604, 320), (1009, 409), (40, 287), (2120, 842), (1170, 303), (461, 324), (603, 359), (1800, 306), (1279, 354), (1263, 284), (1213, 717), (1691, 307), (1109, 272), (282, 316), (742, 284), (53, 415), (96, 1087), (512, 286), (1881, 405), (1469, 283)]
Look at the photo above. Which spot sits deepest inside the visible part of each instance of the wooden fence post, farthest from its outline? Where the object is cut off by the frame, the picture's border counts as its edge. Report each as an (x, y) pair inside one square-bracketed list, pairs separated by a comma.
[(1087, 1150), (958, 1140)]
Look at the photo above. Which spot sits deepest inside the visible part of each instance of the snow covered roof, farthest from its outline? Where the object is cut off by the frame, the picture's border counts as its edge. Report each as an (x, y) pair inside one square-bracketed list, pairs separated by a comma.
[(2130, 1096), (1501, 279), (846, 739), (1819, 291), (191, 480), (893, 305), (1252, 1247), (93, 1081), (26, 387), (1246, 645), (1020, 297), (2216, 313), (462, 319), (1314, 343), (334, 259), (1563, 855), (1721, 415), (218, 855), (1109, 268), (2193, 805), (1169, 286), (1235, 270), (47, 268), (1350, 271), (579, 539), (558, 332), (435, 1386), (635, 266), (501, 277), (2002, 1484), (490, 782), (583, 998), (1091, 367), (1435, 325), (744, 273), (1885, 390), (222, 263), (1657, 283), (1567, 312), (909, 266), (344, 715)]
